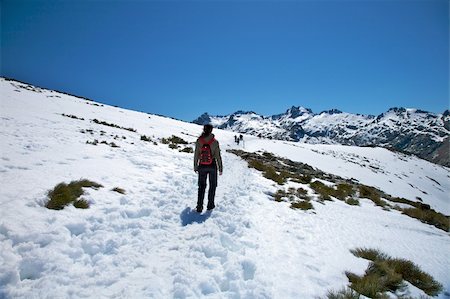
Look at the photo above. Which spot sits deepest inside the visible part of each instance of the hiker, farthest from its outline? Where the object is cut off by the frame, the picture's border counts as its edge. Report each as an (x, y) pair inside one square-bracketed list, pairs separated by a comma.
[(241, 138), (207, 160)]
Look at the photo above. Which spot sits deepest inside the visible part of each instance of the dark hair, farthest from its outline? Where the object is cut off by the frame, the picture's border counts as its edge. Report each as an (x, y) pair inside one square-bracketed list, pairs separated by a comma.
[(207, 129)]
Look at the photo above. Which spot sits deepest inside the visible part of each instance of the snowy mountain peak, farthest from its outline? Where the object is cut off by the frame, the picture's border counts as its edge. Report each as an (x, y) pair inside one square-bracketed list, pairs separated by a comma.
[(409, 130), (241, 112), (331, 112), (295, 112), (203, 119)]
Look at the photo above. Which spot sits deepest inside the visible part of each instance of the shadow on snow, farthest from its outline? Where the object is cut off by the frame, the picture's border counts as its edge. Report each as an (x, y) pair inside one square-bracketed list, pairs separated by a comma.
[(189, 216)]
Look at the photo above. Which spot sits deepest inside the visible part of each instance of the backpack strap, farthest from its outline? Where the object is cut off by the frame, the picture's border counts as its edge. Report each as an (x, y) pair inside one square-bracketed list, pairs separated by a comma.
[(202, 141)]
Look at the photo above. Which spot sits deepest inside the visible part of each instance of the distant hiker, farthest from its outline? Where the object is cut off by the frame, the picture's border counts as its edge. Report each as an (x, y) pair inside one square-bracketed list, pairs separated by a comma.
[(235, 138), (241, 137), (206, 161)]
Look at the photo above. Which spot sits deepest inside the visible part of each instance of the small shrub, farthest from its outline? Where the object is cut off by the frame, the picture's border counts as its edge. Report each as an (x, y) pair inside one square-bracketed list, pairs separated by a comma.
[(405, 201), (369, 254), (258, 165), (64, 194), (173, 146), (291, 190), (145, 138), (72, 116), (302, 179), (343, 191), (373, 194), (367, 285), (430, 216), (301, 192), (345, 293), (81, 204), (323, 190), (112, 125), (112, 144), (269, 156), (278, 196), (271, 174), (95, 142), (368, 192), (174, 140), (302, 205), (188, 150), (352, 201), (387, 274), (118, 190), (414, 275)]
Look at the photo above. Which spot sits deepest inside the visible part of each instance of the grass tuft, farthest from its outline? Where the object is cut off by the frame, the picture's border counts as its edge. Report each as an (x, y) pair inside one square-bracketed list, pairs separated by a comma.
[(323, 190), (188, 150), (81, 204), (301, 193), (345, 293), (352, 201), (430, 216), (72, 116), (279, 195), (302, 179), (100, 122), (269, 172), (343, 191), (302, 205), (386, 274), (64, 194), (174, 140), (118, 190), (146, 138), (369, 254), (373, 194)]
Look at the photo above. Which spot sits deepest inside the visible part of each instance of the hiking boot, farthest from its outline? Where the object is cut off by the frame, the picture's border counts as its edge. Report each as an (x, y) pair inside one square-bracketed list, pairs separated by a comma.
[(210, 208), (199, 210)]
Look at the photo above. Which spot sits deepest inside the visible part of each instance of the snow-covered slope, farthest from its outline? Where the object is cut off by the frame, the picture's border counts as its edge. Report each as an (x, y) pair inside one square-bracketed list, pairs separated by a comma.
[(411, 131), (148, 243)]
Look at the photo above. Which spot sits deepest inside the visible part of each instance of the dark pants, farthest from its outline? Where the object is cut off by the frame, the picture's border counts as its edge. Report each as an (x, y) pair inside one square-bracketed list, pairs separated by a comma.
[(203, 172)]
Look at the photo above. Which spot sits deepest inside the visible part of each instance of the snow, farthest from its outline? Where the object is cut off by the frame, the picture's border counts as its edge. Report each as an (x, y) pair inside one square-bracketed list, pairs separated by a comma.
[(149, 243)]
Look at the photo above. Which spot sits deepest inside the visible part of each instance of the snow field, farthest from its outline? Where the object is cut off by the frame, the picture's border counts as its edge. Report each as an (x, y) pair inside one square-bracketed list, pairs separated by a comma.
[(148, 243)]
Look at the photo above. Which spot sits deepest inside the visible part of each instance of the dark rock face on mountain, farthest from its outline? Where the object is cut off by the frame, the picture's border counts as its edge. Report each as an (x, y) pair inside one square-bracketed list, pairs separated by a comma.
[(412, 131), (203, 119)]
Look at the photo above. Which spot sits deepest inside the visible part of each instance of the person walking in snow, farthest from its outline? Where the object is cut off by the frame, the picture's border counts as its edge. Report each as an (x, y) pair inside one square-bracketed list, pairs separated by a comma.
[(207, 161)]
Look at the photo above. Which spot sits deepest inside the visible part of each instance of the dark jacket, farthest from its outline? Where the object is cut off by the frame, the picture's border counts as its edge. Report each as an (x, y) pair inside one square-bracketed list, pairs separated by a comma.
[(215, 151)]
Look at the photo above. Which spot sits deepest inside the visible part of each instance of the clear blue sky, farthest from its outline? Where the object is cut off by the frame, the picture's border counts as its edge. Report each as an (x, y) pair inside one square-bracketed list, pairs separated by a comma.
[(182, 58)]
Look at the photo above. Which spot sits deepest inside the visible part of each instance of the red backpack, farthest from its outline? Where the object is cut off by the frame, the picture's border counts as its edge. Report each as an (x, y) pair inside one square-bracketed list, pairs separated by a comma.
[(206, 157)]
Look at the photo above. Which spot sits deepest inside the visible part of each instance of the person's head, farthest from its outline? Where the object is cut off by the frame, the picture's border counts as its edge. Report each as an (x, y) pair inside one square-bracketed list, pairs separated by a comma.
[(207, 129)]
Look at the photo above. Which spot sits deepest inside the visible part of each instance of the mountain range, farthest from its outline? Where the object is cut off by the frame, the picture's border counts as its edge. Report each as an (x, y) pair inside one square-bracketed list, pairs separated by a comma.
[(407, 130)]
